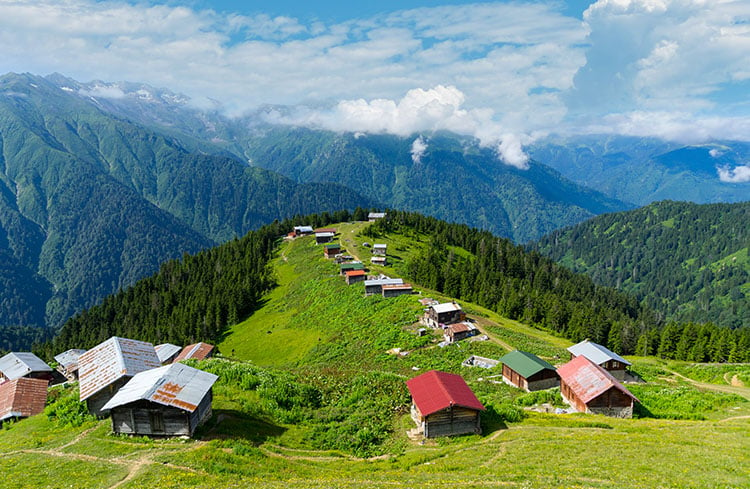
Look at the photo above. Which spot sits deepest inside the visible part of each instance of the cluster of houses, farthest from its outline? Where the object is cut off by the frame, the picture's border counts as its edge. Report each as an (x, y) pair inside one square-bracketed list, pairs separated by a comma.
[(144, 388), (448, 317), (444, 405)]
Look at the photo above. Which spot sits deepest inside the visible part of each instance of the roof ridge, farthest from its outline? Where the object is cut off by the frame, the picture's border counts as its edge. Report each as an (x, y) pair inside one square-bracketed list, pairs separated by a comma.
[(443, 388)]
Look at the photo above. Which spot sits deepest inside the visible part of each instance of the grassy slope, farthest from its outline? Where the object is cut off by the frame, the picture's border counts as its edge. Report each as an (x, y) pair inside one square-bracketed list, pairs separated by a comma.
[(245, 449)]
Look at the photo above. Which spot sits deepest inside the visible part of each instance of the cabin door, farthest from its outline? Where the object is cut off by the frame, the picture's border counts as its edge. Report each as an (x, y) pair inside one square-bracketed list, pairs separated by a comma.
[(157, 421)]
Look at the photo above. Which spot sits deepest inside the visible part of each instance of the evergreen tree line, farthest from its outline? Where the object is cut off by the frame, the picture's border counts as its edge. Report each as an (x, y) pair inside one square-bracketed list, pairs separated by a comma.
[(530, 288), (191, 299)]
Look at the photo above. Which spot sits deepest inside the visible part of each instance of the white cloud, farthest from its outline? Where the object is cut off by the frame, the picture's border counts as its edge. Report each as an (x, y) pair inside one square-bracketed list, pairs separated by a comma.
[(418, 148), (103, 91), (715, 153), (740, 174)]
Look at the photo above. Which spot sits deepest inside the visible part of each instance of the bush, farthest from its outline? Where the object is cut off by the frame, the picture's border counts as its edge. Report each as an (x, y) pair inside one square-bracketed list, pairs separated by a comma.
[(68, 412), (549, 396)]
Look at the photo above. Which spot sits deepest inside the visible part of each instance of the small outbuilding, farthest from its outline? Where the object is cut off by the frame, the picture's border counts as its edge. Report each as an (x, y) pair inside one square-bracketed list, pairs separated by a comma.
[(346, 267), (588, 388), (379, 249), (105, 368), (459, 331), (443, 405), (375, 286), (355, 276), (324, 237), (167, 352), (168, 401), (396, 290), (602, 356), (528, 372), (374, 216), (15, 365), (196, 351), (22, 397), (67, 363), (379, 260), (302, 231), (331, 250), (446, 313)]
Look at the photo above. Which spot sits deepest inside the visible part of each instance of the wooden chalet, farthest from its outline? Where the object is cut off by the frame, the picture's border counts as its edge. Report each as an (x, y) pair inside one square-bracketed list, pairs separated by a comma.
[(196, 351), (374, 216), (15, 365), (324, 237), (375, 286), (379, 260), (395, 290), (380, 249), (331, 250), (302, 231), (105, 368), (167, 352), (588, 388), (437, 315), (354, 276), (346, 267), (22, 397), (67, 363), (443, 405), (528, 372), (602, 356), (168, 401), (459, 331)]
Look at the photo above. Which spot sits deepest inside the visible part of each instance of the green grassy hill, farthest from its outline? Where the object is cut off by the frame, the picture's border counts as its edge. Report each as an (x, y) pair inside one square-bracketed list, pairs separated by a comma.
[(313, 398)]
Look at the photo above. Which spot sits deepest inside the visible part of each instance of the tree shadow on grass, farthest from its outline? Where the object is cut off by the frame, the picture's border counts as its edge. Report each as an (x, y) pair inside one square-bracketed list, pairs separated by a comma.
[(231, 424)]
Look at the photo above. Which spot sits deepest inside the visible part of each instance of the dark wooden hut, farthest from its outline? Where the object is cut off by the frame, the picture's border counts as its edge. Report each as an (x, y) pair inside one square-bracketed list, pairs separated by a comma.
[(528, 372)]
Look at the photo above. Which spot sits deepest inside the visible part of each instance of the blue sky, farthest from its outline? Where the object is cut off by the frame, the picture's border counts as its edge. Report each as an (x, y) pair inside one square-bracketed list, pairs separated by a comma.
[(507, 73)]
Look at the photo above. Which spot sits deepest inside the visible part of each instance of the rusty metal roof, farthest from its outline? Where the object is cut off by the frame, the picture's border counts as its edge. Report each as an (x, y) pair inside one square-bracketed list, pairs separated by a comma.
[(22, 397), (595, 352), (174, 385), (355, 273), (196, 351), (19, 364), (165, 351), (461, 327), (69, 359), (111, 360), (397, 287), (588, 380)]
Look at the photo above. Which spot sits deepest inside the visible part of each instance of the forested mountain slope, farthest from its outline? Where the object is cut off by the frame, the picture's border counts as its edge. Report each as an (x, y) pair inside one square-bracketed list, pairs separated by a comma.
[(89, 203), (688, 261), (644, 170)]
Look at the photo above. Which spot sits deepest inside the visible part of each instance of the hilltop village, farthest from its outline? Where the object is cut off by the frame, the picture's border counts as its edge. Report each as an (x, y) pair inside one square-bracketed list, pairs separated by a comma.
[(146, 390)]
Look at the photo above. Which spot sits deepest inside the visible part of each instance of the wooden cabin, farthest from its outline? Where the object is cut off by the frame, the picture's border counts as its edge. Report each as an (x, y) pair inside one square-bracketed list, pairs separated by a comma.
[(354, 276), (15, 365), (446, 313), (331, 250), (379, 249), (196, 351), (375, 286), (302, 231), (602, 356), (324, 237), (168, 401), (459, 331), (167, 352), (67, 363), (528, 372), (588, 388), (374, 216), (105, 368), (395, 290), (22, 397), (346, 267), (443, 405), (379, 260)]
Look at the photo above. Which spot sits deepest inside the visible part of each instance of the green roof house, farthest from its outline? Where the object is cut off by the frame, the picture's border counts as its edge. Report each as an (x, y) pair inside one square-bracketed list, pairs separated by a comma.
[(528, 372)]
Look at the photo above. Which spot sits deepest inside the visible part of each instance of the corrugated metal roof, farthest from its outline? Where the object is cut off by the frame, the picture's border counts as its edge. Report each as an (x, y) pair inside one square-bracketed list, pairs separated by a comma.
[(434, 391), (174, 385), (303, 229), (196, 351), (588, 380), (15, 365), (352, 266), (446, 307), (325, 234), (376, 215), (384, 281), (325, 230), (22, 397), (111, 360), (524, 363), (332, 246), (379, 246), (595, 352), (165, 351), (355, 273), (397, 287), (461, 327), (69, 359)]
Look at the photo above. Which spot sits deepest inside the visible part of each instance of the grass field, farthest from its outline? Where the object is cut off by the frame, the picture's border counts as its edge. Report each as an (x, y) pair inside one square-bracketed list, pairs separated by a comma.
[(316, 374)]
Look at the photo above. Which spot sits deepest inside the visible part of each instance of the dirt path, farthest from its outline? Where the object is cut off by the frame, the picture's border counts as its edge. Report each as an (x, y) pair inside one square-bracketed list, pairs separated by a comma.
[(729, 389)]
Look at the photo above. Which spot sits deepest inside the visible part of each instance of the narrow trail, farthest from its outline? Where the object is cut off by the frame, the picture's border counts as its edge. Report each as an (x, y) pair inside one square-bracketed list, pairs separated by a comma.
[(729, 389)]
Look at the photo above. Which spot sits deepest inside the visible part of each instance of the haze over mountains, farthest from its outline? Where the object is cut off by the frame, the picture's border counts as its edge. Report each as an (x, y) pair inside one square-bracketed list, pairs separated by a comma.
[(102, 182)]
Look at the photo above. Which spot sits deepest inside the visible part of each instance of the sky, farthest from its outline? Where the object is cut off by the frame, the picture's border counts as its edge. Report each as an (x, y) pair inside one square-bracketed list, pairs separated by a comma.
[(505, 72)]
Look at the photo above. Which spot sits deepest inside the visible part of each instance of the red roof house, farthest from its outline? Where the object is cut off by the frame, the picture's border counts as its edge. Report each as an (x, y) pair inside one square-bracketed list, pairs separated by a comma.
[(22, 397), (354, 276), (443, 405), (196, 351), (588, 388)]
